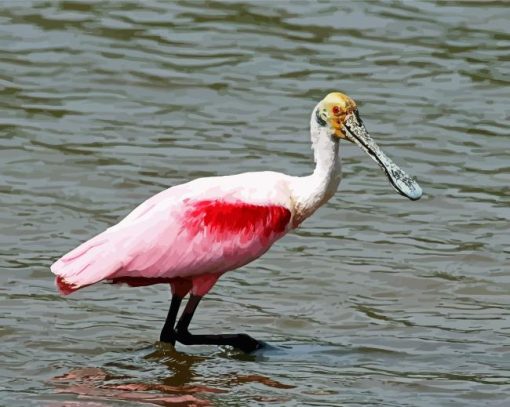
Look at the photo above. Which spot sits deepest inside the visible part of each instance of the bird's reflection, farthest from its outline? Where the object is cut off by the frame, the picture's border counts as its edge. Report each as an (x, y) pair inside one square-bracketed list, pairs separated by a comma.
[(183, 385), (181, 366)]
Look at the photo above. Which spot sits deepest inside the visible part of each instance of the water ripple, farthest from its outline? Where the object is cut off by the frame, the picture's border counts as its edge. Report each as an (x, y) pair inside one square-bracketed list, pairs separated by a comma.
[(375, 300)]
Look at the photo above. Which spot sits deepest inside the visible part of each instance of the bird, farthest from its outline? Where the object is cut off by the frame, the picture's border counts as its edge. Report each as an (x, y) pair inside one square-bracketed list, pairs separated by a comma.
[(189, 235)]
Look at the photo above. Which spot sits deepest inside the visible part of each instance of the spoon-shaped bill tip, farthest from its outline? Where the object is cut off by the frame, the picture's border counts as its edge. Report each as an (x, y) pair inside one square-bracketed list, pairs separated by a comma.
[(403, 183)]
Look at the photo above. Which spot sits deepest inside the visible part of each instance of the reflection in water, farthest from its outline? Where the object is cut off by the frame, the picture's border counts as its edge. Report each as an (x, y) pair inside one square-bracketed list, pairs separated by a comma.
[(96, 383), (179, 388), (180, 365)]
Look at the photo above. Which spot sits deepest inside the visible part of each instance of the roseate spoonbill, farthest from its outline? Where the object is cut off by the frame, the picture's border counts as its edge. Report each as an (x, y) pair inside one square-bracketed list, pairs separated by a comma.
[(189, 235)]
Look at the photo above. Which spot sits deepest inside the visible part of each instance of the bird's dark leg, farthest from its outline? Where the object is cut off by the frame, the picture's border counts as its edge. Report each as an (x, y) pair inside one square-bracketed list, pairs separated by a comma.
[(240, 341), (168, 333)]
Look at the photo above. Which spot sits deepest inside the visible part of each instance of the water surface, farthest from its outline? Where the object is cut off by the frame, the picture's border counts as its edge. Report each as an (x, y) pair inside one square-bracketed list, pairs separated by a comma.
[(376, 300)]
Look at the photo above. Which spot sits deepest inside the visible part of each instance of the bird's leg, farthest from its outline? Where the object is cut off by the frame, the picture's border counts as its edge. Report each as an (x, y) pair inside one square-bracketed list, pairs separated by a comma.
[(240, 341), (168, 333), (180, 287)]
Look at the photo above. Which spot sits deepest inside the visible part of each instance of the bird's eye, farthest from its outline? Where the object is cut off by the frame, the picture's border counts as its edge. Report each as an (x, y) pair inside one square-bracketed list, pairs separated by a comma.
[(336, 110)]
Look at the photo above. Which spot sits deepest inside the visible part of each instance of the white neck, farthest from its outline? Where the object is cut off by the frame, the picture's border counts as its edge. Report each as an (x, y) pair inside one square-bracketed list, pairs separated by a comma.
[(312, 191)]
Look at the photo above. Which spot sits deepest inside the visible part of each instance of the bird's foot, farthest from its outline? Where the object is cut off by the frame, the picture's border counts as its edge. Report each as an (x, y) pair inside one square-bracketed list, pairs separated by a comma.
[(168, 336), (247, 344), (242, 342)]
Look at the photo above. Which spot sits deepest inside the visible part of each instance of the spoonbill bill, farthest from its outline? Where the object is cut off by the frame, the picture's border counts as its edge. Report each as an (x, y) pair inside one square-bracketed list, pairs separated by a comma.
[(189, 235)]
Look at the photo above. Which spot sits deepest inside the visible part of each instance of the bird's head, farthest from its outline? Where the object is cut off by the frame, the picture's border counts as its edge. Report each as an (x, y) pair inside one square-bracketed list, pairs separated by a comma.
[(338, 115)]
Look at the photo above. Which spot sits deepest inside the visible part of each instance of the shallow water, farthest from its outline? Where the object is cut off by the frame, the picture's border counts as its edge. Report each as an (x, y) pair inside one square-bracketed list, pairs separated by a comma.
[(376, 300)]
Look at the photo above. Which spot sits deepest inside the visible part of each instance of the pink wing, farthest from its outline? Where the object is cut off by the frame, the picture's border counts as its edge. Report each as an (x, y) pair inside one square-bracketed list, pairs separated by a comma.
[(165, 238)]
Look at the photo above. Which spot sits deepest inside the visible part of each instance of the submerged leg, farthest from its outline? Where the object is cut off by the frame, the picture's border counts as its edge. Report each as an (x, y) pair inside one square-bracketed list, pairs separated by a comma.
[(240, 341)]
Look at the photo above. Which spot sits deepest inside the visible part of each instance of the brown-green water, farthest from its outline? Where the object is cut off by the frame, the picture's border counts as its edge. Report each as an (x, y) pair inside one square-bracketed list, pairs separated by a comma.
[(376, 300)]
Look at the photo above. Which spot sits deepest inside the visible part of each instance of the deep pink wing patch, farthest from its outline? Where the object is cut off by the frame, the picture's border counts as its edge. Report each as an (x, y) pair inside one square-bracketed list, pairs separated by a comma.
[(239, 218)]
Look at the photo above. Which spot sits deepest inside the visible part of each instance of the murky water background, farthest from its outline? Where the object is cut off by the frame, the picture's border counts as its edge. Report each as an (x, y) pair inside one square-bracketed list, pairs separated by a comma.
[(376, 300)]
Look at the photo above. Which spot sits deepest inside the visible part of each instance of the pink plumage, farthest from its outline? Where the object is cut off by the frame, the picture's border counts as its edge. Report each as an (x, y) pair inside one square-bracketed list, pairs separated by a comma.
[(194, 231)]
